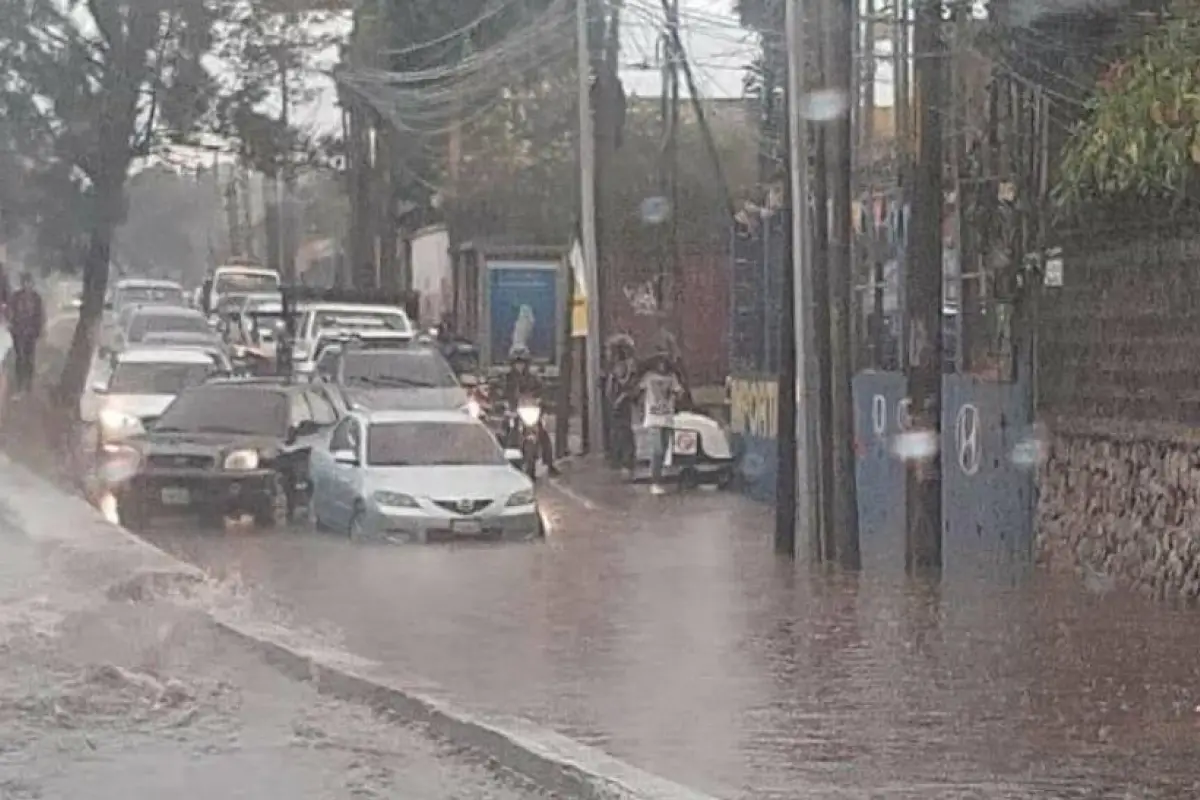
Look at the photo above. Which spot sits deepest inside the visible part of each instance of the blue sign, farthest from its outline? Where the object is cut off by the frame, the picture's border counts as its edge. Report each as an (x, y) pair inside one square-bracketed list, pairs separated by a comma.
[(524, 308)]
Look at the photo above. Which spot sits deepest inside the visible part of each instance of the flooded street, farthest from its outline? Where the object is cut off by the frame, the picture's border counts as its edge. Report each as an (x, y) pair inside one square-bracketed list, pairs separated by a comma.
[(665, 631)]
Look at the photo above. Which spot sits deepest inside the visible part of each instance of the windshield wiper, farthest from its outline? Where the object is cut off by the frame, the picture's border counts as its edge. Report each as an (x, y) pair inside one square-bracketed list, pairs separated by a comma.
[(397, 380), (223, 429)]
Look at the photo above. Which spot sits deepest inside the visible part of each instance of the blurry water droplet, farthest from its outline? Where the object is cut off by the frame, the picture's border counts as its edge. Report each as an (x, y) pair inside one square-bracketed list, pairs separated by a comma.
[(108, 508), (655, 210), (824, 105), (915, 445)]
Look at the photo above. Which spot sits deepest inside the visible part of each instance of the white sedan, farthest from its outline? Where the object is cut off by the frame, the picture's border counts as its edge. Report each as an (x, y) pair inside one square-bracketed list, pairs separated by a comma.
[(420, 476)]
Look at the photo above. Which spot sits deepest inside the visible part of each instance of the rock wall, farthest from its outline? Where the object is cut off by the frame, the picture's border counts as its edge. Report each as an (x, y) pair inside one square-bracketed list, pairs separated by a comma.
[(1121, 503)]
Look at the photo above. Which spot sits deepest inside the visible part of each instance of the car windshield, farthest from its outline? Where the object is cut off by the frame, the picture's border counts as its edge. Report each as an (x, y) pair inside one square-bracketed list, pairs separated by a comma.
[(429, 444), (418, 370), (246, 282), (156, 295), (157, 378), (143, 324), (264, 323), (362, 320), (252, 410)]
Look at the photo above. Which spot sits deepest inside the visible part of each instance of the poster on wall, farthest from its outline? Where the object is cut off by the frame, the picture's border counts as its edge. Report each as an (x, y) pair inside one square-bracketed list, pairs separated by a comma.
[(523, 300)]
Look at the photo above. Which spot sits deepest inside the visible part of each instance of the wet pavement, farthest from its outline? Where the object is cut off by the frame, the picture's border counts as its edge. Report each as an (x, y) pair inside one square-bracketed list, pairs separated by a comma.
[(664, 630)]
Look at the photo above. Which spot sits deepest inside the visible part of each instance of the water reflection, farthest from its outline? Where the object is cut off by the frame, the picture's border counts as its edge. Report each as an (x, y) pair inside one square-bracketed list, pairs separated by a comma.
[(669, 633)]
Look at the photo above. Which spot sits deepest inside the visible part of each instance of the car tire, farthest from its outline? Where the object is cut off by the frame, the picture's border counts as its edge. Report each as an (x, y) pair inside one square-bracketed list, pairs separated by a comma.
[(132, 514), (355, 530), (276, 509)]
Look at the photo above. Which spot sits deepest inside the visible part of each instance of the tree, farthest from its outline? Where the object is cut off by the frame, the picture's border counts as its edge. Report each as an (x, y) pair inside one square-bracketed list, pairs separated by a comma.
[(108, 82), (766, 80), (1140, 137)]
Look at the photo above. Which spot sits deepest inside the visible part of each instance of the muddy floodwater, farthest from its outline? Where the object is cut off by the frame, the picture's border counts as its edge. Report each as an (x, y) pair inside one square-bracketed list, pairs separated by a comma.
[(665, 631)]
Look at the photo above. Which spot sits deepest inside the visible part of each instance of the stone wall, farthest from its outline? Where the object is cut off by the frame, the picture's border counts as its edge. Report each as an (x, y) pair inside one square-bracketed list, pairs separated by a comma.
[(1121, 504)]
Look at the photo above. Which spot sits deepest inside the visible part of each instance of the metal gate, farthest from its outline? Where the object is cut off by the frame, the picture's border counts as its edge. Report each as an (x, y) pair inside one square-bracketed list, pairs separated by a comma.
[(987, 444)]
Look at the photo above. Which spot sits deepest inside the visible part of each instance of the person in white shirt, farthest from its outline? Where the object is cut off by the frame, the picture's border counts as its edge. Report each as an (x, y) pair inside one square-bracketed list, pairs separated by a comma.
[(660, 388)]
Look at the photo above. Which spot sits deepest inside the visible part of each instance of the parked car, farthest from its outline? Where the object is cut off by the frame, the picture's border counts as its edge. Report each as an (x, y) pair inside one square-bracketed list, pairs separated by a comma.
[(407, 378), (227, 448), (421, 476)]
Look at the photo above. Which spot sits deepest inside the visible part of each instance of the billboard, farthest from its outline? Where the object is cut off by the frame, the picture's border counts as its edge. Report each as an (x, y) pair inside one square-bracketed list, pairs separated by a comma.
[(523, 306)]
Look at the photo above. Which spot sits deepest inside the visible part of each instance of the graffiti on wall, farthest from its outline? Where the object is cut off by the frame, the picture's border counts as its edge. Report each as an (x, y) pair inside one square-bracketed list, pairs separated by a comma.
[(753, 407)]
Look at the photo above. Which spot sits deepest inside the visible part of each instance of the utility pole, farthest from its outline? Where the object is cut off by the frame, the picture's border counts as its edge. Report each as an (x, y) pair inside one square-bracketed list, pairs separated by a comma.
[(673, 162), (924, 285), (796, 378), (826, 546), (839, 133), (587, 225)]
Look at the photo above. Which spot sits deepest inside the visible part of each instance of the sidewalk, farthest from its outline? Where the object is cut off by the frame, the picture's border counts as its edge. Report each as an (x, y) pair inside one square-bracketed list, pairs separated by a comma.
[(111, 688)]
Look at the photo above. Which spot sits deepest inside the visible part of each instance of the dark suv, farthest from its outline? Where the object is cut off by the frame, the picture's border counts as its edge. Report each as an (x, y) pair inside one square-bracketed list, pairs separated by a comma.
[(226, 448)]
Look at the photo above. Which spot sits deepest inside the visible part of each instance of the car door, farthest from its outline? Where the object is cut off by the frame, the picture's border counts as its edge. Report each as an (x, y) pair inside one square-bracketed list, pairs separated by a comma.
[(341, 481)]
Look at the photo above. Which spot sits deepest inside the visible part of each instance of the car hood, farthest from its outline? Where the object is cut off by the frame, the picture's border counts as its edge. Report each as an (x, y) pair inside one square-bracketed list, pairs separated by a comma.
[(137, 405), (449, 398), (166, 442), (449, 482)]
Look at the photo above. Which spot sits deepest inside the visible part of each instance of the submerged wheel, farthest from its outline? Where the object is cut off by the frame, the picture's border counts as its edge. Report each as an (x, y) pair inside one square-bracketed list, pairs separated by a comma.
[(276, 508)]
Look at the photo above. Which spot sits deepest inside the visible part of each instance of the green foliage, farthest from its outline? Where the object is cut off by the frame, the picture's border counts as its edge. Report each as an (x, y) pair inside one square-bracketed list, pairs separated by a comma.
[(1140, 137)]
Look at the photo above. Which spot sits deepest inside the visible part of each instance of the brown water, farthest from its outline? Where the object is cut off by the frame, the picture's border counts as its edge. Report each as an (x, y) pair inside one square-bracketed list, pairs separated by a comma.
[(665, 631)]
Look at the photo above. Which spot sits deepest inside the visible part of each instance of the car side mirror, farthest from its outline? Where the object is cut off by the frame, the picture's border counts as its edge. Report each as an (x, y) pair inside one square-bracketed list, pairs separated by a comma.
[(108, 305), (513, 456), (100, 387), (346, 457)]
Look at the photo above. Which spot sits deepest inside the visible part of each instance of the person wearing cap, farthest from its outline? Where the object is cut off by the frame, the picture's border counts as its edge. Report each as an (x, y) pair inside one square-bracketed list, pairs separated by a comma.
[(27, 320)]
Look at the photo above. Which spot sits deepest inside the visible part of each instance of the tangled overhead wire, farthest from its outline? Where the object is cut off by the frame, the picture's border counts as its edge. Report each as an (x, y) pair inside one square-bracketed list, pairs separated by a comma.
[(428, 102)]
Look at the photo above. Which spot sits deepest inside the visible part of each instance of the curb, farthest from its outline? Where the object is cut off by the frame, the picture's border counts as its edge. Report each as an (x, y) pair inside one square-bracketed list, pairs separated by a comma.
[(118, 558)]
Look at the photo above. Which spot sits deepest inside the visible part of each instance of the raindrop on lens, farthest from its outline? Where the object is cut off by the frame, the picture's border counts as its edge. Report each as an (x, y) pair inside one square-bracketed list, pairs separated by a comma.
[(915, 445), (824, 105)]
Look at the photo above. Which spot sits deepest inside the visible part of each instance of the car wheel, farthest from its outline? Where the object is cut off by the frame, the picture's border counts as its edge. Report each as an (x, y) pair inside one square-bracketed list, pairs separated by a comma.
[(276, 507), (132, 514), (213, 520), (355, 530)]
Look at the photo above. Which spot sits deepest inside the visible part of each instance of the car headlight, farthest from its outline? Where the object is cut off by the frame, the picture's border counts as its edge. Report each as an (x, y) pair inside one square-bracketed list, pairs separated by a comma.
[(242, 460), (395, 500), (474, 409), (521, 498), (114, 422), (529, 415)]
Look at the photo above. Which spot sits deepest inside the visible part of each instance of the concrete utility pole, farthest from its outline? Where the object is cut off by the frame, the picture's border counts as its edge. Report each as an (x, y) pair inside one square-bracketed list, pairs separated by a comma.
[(587, 226), (804, 485), (839, 134), (924, 284)]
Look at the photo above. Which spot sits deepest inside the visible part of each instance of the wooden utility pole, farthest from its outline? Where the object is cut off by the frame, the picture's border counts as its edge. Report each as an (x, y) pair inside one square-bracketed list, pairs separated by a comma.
[(924, 285), (839, 66), (589, 234)]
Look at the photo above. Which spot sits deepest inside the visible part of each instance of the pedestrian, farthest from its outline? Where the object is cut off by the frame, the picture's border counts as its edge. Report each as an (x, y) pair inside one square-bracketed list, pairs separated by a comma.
[(660, 389), (27, 322), (621, 391)]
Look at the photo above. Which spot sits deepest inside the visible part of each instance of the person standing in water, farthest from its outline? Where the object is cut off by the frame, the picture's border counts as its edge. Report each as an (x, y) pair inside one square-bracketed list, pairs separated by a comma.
[(660, 388)]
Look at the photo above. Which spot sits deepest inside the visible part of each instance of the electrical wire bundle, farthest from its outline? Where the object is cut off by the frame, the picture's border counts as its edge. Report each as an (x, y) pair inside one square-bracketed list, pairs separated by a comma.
[(428, 102)]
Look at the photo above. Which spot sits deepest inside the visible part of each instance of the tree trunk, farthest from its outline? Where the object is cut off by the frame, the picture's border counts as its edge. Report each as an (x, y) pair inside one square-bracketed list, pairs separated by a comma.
[(95, 285)]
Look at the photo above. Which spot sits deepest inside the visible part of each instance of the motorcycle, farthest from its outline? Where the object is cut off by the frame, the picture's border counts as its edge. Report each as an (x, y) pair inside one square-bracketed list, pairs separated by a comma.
[(521, 433)]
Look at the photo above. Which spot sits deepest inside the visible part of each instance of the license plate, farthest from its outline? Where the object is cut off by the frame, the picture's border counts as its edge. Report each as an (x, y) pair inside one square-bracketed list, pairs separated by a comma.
[(685, 443), (467, 527), (175, 496)]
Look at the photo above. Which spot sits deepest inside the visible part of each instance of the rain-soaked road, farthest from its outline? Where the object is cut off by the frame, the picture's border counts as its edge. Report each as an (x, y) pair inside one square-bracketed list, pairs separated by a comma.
[(665, 631)]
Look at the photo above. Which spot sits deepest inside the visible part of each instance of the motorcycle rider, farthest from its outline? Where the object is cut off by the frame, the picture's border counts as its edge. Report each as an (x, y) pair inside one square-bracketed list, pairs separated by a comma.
[(522, 382)]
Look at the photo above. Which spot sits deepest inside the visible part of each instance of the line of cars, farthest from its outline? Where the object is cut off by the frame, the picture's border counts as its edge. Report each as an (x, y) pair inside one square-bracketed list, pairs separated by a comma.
[(373, 435)]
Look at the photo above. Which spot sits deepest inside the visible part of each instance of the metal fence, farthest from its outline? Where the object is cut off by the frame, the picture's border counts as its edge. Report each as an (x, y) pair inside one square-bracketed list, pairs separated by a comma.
[(756, 297)]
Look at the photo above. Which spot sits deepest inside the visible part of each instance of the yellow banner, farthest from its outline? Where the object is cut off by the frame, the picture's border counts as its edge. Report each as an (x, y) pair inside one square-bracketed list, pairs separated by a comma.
[(579, 317)]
